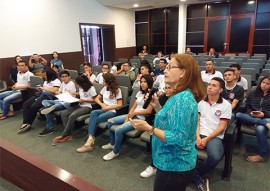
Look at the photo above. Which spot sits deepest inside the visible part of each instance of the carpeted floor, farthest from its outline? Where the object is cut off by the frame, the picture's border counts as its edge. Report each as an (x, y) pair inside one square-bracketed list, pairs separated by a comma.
[(122, 173)]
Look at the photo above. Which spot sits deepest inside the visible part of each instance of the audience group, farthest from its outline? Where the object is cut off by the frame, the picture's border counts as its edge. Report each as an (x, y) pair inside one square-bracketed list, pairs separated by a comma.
[(221, 105)]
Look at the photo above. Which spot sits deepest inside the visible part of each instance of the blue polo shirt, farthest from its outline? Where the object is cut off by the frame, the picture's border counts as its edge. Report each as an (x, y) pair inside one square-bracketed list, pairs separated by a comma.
[(57, 62)]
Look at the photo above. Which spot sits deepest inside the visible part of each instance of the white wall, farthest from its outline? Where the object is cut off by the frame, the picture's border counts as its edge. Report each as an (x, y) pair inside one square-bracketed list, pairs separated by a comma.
[(42, 26)]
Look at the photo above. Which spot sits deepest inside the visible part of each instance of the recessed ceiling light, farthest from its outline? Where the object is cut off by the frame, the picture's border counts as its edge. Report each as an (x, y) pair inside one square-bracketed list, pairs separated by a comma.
[(251, 2), (183, 0), (136, 5)]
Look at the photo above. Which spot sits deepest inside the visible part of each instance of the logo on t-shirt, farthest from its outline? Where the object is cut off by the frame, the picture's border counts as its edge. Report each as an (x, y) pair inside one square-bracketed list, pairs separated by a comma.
[(24, 78), (111, 96), (85, 94), (231, 96), (50, 84), (218, 113)]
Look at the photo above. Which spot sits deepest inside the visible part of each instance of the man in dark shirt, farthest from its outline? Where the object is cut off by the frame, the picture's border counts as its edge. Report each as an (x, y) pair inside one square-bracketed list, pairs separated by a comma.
[(162, 66), (232, 92)]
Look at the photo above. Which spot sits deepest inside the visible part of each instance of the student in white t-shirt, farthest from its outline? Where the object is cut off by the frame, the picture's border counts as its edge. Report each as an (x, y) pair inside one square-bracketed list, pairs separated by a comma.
[(51, 105), (105, 69), (87, 93), (240, 80), (214, 115), (136, 112), (7, 97), (111, 99), (88, 71), (210, 72), (32, 105)]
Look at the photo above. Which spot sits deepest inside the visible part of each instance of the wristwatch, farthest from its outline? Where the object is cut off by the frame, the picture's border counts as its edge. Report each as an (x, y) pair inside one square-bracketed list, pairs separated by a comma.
[(151, 132)]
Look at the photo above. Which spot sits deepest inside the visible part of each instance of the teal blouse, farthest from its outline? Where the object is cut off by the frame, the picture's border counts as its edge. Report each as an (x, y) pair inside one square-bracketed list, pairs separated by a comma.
[(178, 118)]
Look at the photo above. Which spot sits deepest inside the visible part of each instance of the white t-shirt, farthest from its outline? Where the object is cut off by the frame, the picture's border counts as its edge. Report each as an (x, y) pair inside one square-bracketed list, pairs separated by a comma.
[(207, 77), (210, 115), (108, 98), (243, 82), (54, 83), (92, 77), (140, 101), (69, 87), (87, 96), (161, 80), (99, 78), (23, 79)]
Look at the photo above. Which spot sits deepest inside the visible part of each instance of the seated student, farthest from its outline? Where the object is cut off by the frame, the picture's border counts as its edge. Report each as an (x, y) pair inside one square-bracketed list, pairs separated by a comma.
[(51, 105), (136, 112), (162, 66), (232, 92), (56, 69), (214, 115), (240, 80), (143, 71), (14, 70), (111, 99), (188, 51), (212, 52), (56, 61), (258, 113), (7, 97), (87, 94), (144, 52), (157, 104), (161, 80), (159, 56), (88, 71), (126, 71), (210, 72), (147, 64), (116, 69), (37, 65), (32, 105), (105, 69)]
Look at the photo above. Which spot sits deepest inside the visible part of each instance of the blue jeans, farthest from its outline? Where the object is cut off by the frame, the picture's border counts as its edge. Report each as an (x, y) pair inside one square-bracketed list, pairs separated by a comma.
[(96, 117), (261, 131), (117, 136), (214, 149), (49, 117), (6, 98)]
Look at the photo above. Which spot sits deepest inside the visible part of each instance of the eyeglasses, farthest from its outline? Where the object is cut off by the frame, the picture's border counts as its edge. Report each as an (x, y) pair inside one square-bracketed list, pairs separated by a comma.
[(167, 88), (64, 76), (169, 67)]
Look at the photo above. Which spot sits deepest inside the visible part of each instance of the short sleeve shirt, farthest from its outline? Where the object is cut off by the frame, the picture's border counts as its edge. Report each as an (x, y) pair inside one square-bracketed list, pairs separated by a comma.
[(54, 83), (99, 78), (69, 87), (23, 79), (108, 98), (242, 82), (140, 102), (207, 77), (87, 96)]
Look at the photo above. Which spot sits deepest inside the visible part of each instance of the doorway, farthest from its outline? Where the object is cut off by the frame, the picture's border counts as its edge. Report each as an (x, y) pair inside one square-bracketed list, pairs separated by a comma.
[(98, 42), (233, 34)]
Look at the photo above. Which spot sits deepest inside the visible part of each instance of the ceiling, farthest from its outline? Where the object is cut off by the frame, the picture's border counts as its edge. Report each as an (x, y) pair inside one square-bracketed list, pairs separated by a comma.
[(149, 4)]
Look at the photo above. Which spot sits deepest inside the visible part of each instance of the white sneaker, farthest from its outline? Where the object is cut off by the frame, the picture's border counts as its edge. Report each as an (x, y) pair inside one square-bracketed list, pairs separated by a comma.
[(47, 110), (108, 146), (110, 156), (148, 172)]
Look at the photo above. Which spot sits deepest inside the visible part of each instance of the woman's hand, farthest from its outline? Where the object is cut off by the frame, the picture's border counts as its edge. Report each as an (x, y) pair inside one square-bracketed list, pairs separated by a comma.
[(140, 125), (154, 100)]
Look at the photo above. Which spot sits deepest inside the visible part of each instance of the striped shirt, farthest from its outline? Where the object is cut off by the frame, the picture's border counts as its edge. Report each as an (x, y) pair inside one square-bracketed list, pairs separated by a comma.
[(178, 118)]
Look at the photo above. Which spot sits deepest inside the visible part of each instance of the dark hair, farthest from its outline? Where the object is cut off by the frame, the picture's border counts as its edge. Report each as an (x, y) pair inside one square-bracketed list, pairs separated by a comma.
[(64, 72), (87, 64), (105, 64), (129, 64), (236, 66), (164, 60), (145, 67), (210, 60), (55, 66), (149, 80), (16, 58), (228, 70), (55, 53), (145, 63), (50, 75), (118, 65), (112, 83), (258, 90), (22, 61), (83, 82), (220, 81)]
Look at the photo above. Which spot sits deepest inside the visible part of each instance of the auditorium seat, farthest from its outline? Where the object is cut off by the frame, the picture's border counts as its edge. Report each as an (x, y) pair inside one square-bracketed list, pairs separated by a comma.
[(123, 60), (244, 54), (107, 62), (238, 61), (267, 66), (97, 68), (73, 74), (124, 81), (3, 86), (36, 80), (248, 78), (260, 61), (218, 61), (135, 60), (227, 64), (243, 58), (256, 66), (265, 72)]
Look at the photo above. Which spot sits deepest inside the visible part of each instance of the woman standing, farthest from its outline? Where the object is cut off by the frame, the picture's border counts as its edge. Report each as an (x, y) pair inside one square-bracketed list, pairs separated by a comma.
[(111, 100), (56, 61), (258, 113), (174, 130)]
